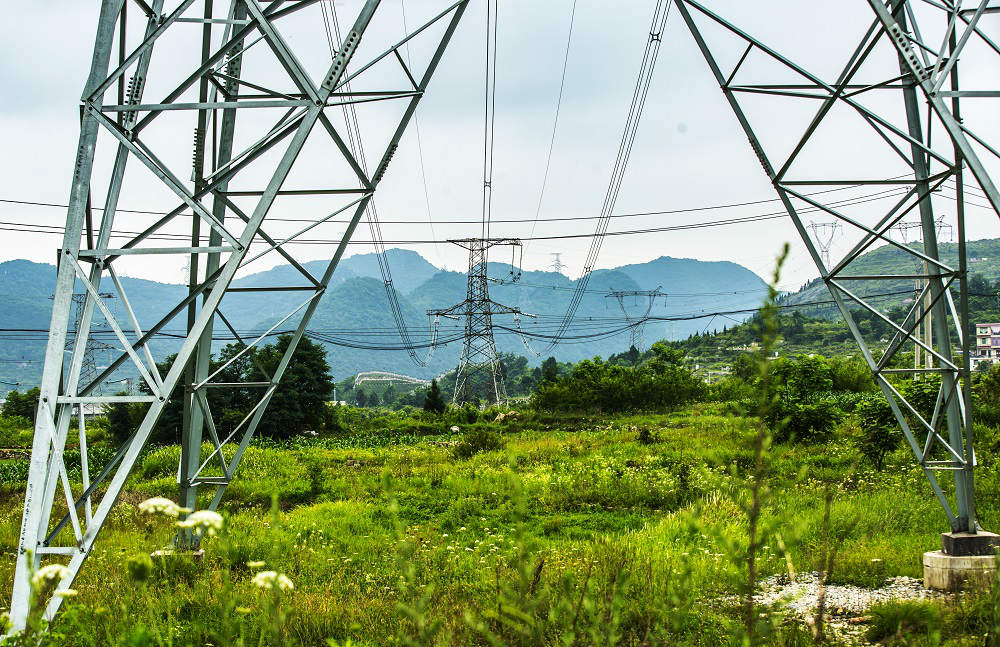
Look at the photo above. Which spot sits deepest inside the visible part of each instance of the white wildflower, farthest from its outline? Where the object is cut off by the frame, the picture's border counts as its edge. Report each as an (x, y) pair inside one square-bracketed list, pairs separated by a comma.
[(270, 580), (49, 574), (256, 564), (161, 505), (454, 429), (65, 593), (208, 521)]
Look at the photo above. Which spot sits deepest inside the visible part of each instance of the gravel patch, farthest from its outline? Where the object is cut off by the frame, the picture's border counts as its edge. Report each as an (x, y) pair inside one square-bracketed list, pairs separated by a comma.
[(802, 594)]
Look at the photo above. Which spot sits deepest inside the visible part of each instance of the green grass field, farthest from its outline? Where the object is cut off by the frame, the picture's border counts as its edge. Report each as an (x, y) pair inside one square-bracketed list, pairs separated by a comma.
[(571, 532)]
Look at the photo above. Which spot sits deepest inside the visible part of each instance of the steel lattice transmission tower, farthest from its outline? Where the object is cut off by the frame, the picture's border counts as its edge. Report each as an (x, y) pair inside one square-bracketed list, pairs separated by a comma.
[(88, 368), (924, 328), (866, 127), (254, 106), (823, 234), (636, 323), (479, 352), (557, 263)]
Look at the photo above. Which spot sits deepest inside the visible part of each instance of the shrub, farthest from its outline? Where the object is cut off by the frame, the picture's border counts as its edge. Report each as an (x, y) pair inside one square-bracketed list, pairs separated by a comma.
[(803, 421), (477, 440), (646, 437), (986, 413), (851, 374), (731, 389), (880, 433)]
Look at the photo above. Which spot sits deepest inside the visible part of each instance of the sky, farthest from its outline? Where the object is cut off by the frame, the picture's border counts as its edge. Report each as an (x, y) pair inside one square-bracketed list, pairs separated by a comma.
[(690, 150)]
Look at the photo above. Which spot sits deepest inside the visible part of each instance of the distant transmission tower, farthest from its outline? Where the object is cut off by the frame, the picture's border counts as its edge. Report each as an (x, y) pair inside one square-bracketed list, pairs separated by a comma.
[(88, 369), (823, 234), (557, 264), (924, 326), (479, 354), (636, 323)]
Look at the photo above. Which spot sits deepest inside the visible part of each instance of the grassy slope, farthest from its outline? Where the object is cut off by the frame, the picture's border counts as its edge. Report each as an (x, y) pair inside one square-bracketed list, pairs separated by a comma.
[(598, 507)]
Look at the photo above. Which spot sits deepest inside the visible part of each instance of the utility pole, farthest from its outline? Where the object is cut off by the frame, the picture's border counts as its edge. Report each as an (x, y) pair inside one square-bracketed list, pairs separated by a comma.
[(636, 324), (479, 352)]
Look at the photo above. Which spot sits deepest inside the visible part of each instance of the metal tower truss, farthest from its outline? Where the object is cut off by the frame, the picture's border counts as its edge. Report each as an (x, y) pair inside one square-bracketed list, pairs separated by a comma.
[(865, 126), (479, 354), (245, 77), (636, 323)]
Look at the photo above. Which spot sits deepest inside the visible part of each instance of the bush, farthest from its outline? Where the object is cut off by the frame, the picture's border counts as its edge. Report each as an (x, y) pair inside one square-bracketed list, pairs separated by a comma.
[(646, 437), (850, 374), (880, 432), (731, 389), (986, 413), (804, 421), (477, 440)]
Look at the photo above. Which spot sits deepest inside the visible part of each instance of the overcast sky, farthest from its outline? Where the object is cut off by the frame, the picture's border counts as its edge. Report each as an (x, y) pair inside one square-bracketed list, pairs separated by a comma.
[(690, 150)]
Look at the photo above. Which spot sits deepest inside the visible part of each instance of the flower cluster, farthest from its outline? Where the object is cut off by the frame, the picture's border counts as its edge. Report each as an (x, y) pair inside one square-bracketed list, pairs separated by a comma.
[(48, 575), (161, 505), (208, 521), (271, 580)]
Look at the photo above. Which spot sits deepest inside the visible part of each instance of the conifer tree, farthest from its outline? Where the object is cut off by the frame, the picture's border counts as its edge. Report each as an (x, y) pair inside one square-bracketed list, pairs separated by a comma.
[(433, 401)]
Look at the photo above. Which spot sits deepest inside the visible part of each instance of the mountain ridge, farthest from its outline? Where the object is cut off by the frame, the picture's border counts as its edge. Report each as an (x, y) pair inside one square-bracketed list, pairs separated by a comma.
[(353, 318)]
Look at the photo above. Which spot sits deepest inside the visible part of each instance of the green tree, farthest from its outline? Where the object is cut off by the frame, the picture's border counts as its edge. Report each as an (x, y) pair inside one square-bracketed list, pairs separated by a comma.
[(361, 398), (550, 370), (632, 355), (434, 401), (22, 404), (745, 366), (989, 387), (299, 402)]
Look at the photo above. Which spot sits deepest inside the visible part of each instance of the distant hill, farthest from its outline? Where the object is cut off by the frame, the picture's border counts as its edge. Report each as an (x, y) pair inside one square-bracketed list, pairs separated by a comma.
[(353, 317), (983, 258)]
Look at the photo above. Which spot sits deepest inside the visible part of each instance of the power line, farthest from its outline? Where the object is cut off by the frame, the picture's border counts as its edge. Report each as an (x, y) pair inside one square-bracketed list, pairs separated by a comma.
[(643, 81), (489, 112), (555, 121), (57, 229), (640, 214), (583, 323), (420, 145), (357, 148)]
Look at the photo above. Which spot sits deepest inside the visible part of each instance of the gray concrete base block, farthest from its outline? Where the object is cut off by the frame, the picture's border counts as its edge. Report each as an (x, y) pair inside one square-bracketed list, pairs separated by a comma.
[(958, 573), (970, 543)]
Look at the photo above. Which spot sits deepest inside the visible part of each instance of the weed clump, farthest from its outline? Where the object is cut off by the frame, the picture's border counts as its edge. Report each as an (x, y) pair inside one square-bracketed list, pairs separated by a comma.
[(646, 437), (477, 440), (898, 623)]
